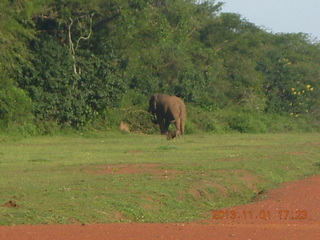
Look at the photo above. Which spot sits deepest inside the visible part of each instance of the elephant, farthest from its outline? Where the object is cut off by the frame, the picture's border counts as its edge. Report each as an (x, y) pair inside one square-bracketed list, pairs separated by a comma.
[(167, 109)]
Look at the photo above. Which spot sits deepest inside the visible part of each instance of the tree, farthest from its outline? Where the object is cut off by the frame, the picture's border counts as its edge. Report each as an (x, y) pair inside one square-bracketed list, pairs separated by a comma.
[(67, 83), (291, 75), (76, 58)]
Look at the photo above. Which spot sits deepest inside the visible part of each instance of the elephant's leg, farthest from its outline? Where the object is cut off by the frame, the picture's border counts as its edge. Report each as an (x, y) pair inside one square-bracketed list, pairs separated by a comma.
[(162, 128), (166, 126), (182, 125), (161, 123), (177, 124)]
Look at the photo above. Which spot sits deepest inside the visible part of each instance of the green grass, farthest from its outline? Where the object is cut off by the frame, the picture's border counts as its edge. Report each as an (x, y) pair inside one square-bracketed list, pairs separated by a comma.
[(82, 179)]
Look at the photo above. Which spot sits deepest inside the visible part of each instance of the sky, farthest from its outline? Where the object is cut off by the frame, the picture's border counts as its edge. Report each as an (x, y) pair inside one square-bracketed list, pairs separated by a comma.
[(287, 16)]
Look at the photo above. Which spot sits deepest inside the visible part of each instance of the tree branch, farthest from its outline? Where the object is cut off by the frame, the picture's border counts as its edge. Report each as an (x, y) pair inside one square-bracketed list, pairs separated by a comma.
[(89, 35), (73, 48)]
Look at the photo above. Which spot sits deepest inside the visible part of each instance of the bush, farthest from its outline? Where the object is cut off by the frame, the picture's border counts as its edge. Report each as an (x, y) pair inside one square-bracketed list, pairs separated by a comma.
[(15, 105), (201, 120), (247, 122), (190, 127), (282, 123)]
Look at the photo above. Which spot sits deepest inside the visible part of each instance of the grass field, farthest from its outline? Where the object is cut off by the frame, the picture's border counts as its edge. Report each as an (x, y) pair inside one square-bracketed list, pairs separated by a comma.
[(144, 178)]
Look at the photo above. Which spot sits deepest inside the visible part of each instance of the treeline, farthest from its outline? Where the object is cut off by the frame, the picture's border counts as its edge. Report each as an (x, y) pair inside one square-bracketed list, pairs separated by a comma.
[(71, 63)]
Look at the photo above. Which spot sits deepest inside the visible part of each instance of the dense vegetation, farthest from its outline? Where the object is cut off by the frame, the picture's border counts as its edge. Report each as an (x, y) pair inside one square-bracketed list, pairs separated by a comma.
[(80, 63)]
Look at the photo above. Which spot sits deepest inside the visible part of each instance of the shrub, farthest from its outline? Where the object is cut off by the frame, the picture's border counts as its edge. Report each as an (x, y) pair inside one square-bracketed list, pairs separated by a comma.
[(15, 105), (247, 122)]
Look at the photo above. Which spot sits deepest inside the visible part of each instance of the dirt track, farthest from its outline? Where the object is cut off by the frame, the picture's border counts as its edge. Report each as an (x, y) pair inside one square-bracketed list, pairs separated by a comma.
[(290, 212)]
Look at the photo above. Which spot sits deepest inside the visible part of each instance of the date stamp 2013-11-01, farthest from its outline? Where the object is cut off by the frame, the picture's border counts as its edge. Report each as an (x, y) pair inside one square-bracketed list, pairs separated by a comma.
[(262, 214)]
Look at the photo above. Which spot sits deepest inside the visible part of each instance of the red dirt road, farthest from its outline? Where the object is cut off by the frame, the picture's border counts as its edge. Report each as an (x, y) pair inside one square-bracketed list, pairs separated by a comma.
[(290, 212)]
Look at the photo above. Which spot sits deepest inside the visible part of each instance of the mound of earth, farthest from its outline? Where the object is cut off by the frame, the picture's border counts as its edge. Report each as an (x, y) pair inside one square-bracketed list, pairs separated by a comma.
[(11, 204)]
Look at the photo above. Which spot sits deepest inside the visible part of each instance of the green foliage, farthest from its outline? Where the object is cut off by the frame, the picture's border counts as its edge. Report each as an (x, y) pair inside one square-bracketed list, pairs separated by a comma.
[(63, 96), (290, 77), (133, 112), (15, 105), (246, 122), (16, 29), (80, 61)]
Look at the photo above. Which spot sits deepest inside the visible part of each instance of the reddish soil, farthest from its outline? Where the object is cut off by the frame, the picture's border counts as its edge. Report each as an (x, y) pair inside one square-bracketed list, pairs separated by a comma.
[(10, 204), (290, 212)]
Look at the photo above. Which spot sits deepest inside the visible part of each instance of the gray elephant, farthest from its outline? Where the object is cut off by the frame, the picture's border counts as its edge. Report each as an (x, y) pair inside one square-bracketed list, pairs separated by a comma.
[(166, 110)]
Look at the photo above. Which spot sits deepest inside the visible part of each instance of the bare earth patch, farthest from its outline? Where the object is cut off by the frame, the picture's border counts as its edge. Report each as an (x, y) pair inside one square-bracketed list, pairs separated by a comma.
[(11, 204), (144, 168), (279, 216)]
